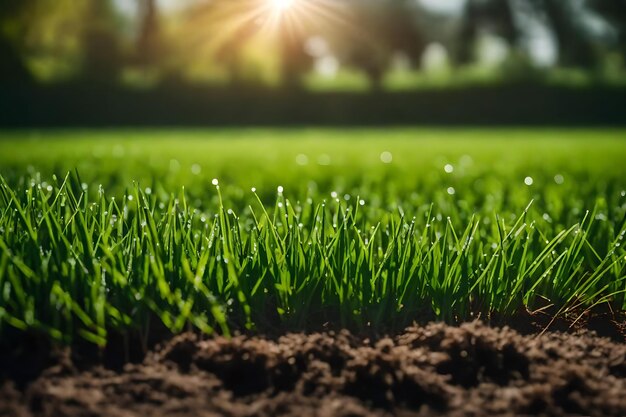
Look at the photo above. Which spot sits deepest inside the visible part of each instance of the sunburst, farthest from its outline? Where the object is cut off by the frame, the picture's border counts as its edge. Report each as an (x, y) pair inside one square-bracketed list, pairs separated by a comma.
[(282, 5), (223, 28)]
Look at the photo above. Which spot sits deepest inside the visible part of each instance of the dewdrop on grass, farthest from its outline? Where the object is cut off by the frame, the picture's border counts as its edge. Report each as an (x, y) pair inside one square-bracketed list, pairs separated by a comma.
[(386, 157)]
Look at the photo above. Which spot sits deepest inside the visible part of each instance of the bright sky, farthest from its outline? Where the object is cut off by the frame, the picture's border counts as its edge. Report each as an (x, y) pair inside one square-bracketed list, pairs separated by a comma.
[(444, 6), (438, 6), (129, 7)]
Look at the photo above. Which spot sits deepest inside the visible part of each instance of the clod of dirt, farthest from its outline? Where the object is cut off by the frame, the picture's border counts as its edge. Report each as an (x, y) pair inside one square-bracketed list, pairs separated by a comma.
[(431, 370)]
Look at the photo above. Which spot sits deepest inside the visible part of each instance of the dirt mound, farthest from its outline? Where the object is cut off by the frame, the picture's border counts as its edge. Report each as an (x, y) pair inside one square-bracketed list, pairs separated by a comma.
[(430, 370)]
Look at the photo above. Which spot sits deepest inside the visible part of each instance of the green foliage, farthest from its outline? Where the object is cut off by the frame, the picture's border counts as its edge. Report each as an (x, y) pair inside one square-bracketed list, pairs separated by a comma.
[(250, 41), (458, 224)]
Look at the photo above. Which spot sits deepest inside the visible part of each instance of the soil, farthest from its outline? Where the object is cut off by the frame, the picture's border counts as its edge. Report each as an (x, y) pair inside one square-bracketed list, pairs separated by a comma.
[(469, 370)]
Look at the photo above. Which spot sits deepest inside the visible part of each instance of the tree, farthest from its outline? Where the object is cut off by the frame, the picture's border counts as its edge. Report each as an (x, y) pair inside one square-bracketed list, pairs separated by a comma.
[(380, 29), (614, 11), (575, 45), (403, 34), (102, 58), (148, 47), (230, 51), (12, 68), (216, 34), (495, 16), (294, 61)]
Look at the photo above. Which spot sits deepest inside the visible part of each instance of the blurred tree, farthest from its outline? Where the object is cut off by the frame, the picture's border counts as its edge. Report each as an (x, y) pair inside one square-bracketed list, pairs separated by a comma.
[(614, 11), (403, 33), (576, 47), (148, 47), (86, 37), (12, 67), (216, 33), (493, 16), (229, 54), (152, 52), (294, 61), (39, 38), (380, 30), (102, 57)]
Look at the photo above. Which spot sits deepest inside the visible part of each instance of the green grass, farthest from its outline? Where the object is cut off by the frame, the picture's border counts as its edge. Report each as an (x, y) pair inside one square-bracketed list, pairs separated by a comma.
[(456, 224)]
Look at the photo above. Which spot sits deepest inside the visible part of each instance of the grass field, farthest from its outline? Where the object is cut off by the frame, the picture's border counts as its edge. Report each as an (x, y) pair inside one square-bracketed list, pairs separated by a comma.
[(288, 229)]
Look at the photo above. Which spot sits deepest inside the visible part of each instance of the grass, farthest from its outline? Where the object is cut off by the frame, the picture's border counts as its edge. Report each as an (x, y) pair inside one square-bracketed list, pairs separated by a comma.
[(287, 229)]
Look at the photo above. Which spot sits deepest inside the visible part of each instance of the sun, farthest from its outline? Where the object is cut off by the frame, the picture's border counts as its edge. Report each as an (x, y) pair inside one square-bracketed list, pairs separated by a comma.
[(282, 5)]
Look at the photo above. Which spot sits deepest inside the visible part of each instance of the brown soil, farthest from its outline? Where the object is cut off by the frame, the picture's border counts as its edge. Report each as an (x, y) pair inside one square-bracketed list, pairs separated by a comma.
[(431, 370)]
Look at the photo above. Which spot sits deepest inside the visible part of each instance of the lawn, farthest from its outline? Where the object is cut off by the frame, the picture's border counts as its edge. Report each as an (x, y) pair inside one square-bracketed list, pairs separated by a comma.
[(108, 231)]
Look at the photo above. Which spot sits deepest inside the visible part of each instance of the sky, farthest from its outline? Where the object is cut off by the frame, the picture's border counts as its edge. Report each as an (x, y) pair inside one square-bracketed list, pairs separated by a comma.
[(129, 7), (453, 7), (437, 6)]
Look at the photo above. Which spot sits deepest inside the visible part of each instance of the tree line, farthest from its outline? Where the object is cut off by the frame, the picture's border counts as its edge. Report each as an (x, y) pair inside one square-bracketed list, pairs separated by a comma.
[(233, 41)]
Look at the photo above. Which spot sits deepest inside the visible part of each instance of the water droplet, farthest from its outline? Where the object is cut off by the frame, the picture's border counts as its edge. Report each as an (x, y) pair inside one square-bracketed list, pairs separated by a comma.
[(302, 159), (280, 189), (323, 159), (215, 182), (529, 181), (386, 157), (559, 179), (174, 165), (466, 160), (451, 190), (449, 169)]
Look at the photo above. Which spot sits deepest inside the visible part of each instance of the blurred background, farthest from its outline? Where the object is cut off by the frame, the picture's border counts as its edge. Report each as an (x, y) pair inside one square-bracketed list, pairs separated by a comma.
[(344, 62)]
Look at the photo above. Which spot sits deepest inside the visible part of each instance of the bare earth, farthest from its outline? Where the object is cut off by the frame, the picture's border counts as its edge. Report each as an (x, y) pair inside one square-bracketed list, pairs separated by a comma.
[(432, 370)]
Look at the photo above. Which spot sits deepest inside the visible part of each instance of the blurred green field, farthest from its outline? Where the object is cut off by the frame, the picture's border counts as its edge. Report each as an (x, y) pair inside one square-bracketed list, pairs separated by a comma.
[(336, 158), (489, 167), (360, 227)]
